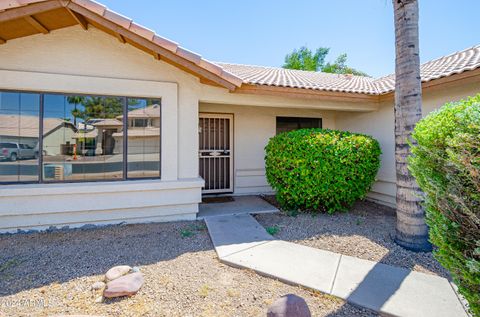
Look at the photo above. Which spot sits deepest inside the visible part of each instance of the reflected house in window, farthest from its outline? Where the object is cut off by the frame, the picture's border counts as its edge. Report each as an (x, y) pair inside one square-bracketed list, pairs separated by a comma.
[(54, 130), (143, 130), (143, 138), (95, 137)]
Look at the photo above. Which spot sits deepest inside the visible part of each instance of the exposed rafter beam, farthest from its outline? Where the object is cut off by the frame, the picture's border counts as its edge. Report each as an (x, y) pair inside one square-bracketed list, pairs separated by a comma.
[(28, 10), (2, 41), (120, 38), (37, 25), (149, 45), (156, 56), (79, 18)]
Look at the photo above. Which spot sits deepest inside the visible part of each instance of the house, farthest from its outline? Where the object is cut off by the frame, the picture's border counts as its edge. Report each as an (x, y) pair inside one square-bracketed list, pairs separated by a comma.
[(24, 129), (174, 126)]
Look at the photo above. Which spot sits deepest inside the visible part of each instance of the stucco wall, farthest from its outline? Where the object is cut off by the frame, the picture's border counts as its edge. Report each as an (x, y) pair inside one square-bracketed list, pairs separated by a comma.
[(253, 127), (72, 60), (380, 124), (91, 62)]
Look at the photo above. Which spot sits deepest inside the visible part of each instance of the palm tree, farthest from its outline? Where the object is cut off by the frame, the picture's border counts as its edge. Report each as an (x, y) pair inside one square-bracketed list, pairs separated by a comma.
[(411, 231), (75, 100)]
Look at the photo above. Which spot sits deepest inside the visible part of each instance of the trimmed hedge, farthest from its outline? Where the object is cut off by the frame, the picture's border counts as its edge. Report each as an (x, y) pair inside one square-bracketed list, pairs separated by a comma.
[(446, 165), (320, 169)]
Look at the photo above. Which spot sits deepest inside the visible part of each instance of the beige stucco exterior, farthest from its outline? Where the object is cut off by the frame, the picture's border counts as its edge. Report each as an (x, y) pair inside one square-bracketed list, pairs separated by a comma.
[(380, 123), (253, 127), (91, 62), (73, 60)]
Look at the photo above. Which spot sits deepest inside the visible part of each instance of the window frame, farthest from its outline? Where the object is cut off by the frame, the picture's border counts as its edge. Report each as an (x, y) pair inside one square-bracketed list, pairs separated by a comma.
[(320, 122), (41, 112)]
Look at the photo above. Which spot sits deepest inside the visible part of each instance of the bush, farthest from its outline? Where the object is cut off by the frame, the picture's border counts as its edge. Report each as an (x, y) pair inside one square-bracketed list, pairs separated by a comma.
[(315, 169), (446, 165)]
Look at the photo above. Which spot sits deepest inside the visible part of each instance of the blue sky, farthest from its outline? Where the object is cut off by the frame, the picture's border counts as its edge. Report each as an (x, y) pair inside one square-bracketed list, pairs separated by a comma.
[(261, 32)]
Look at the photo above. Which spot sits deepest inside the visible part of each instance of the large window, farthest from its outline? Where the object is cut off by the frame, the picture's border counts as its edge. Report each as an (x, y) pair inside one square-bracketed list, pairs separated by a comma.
[(19, 136), (78, 138), (285, 124)]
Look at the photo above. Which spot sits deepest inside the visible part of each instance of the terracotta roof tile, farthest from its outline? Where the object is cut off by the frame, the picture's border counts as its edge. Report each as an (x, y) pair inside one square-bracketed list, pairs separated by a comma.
[(27, 126), (93, 6), (165, 43), (237, 74), (280, 77), (140, 30), (189, 55), (455, 63), (117, 18)]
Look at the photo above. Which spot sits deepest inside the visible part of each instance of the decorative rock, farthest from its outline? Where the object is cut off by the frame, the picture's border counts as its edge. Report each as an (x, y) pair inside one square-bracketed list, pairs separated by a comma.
[(289, 306), (98, 285), (117, 271), (99, 299), (135, 269), (126, 285)]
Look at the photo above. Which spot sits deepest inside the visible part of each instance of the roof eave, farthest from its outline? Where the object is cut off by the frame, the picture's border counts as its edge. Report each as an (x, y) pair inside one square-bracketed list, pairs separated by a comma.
[(87, 11)]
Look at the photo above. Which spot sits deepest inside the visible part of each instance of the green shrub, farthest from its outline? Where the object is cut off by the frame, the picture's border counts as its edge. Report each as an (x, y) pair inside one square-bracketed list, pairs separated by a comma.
[(316, 169), (446, 165)]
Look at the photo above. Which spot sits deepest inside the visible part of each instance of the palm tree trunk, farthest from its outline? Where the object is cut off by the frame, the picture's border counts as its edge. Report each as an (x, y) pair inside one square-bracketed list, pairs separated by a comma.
[(411, 231)]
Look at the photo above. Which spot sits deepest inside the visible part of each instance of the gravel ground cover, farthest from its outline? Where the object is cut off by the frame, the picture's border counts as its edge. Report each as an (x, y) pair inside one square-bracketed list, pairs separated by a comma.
[(366, 231), (44, 274)]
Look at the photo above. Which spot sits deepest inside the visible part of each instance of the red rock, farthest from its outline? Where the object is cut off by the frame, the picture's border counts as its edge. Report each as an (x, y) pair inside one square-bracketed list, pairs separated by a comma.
[(126, 285)]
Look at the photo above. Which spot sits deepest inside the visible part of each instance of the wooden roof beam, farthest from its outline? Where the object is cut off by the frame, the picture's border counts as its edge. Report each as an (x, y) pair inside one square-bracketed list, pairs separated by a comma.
[(2, 41), (150, 46), (120, 38), (79, 18), (37, 25), (29, 10)]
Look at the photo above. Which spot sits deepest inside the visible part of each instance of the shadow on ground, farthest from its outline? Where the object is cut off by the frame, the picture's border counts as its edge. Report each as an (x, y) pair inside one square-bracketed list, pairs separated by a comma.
[(367, 231)]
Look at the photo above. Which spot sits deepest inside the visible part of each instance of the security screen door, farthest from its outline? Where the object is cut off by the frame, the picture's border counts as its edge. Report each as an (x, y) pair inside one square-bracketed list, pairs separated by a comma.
[(216, 152)]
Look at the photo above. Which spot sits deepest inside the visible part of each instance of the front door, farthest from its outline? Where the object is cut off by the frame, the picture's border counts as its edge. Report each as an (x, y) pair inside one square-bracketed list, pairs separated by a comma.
[(216, 152)]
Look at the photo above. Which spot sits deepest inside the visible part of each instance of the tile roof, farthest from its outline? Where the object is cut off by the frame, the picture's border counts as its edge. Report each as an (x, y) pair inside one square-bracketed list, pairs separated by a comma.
[(26, 126), (236, 74), (280, 77), (455, 63), (459, 62), (108, 122), (140, 30), (152, 111)]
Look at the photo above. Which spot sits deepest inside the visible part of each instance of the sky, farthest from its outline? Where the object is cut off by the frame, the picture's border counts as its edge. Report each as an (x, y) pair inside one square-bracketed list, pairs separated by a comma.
[(262, 32)]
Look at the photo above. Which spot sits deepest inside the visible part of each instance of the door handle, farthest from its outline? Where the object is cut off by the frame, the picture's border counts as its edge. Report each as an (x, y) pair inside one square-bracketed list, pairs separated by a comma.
[(215, 153)]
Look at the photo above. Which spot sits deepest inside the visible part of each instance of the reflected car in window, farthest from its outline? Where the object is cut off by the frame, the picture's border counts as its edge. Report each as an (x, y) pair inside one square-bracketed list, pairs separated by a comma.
[(12, 151)]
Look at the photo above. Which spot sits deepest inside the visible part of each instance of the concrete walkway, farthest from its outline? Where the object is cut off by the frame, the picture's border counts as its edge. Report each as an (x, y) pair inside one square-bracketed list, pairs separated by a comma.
[(240, 205), (242, 242)]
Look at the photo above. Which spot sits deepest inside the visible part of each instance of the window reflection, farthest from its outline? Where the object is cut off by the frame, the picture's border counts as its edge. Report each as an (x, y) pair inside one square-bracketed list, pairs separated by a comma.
[(82, 137), (82, 147), (286, 124), (143, 138), (19, 135)]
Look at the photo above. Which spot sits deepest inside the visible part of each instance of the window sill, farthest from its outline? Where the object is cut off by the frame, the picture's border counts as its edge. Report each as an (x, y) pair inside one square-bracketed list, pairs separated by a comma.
[(95, 187)]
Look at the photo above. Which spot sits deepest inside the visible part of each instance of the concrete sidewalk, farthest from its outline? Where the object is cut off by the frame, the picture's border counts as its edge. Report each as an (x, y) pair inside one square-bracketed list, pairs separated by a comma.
[(240, 205), (242, 242)]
